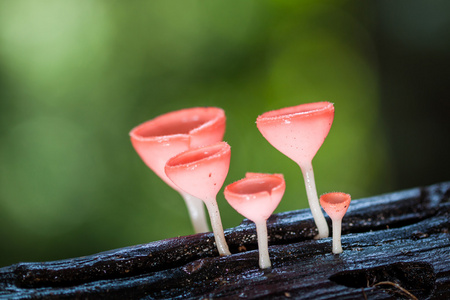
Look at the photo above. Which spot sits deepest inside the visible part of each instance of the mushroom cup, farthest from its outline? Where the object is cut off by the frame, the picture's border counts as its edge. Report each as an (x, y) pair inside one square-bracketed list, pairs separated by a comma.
[(256, 197), (161, 138), (201, 172), (298, 132), (336, 205)]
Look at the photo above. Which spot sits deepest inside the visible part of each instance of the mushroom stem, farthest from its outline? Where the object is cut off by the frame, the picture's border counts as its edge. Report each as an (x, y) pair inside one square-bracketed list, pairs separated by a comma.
[(313, 200), (337, 247), (197, 214), (263, 244), (217, 227)]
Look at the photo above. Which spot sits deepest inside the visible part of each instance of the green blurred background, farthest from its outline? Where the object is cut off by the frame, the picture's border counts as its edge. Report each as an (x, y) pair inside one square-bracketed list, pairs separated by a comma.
[(76, 76)]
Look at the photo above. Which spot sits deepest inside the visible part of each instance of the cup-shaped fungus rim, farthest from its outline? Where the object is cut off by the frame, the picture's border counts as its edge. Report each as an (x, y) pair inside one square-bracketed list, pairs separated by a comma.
[(192, 157), (257, 195), (185, 122), (302, 110), (255, 174), (335, 204)]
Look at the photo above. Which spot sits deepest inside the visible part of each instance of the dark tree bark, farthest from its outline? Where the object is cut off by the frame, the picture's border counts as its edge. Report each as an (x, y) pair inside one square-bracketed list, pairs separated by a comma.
[(395, 246)]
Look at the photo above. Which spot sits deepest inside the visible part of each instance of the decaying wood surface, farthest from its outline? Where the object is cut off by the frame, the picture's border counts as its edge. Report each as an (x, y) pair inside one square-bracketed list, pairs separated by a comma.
[(395, 246)]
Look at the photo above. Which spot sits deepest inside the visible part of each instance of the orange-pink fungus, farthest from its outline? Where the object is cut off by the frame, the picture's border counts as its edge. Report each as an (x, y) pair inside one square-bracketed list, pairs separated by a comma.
[(298, 132), (256, 197), (161, 138), (201, 172), (336, 205)]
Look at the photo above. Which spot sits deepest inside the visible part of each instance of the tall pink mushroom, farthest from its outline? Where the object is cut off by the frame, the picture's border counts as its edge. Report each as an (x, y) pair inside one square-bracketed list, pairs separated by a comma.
[(201, 172), (163, 137), (298, 132), (256, 197)]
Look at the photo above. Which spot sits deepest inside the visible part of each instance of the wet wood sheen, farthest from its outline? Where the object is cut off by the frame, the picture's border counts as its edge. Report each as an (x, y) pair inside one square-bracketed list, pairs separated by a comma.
[(400, 238)]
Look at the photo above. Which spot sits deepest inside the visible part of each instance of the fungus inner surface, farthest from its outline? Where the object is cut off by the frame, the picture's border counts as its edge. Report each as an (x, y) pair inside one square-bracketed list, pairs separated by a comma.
[(255, 185), (196, 155), (171, 126), (335, 198), (303, 109)]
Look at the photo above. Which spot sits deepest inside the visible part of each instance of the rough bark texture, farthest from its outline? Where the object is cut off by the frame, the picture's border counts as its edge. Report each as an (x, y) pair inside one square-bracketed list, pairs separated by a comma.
[(395, 246)]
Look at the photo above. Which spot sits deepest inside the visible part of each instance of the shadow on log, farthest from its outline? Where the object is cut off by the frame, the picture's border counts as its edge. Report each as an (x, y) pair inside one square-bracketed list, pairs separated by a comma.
[(395, 246)]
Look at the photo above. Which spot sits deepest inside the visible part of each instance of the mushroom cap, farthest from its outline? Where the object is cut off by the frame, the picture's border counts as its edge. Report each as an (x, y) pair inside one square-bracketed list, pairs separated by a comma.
[(201, 171), (335, 204), (163, 137), (256, 196), (297, 131)]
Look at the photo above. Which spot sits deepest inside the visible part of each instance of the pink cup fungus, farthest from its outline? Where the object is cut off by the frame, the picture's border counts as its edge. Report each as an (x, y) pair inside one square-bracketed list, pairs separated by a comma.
[(298, 132), (163, 137), (256, 197), (201, 172), (336, 205)]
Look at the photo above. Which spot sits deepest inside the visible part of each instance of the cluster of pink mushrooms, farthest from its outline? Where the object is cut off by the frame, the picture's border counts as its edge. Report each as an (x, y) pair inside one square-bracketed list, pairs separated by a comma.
[(185, 148)]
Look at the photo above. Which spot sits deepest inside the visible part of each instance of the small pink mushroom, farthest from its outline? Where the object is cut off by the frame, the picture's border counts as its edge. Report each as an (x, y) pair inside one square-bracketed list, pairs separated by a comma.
[(336, 205), (298, 132), (256, 197), (163, 137), (201, 172)]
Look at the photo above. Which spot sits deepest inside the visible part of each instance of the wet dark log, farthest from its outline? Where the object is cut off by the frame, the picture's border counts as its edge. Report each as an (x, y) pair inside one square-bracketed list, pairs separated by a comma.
[(395, 246)]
